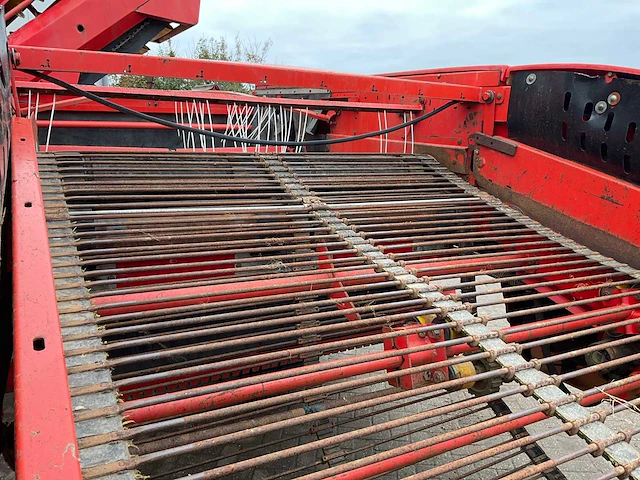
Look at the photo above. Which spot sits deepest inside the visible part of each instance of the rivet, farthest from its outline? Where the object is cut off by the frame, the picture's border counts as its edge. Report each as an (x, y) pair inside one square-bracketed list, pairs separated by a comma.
[(601, 107)]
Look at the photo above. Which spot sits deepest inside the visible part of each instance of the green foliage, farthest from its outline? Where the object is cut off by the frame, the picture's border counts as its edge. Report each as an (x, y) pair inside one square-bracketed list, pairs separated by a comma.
[(206, 48)]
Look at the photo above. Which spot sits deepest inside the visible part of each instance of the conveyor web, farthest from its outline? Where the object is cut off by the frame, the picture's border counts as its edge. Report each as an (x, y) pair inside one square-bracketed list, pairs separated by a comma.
[(224, 316)]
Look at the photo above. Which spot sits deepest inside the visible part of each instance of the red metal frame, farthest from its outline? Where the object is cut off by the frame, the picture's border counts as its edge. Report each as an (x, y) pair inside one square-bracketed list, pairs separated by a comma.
[(566, 186), (64, 60), (264, 389), (505, 70), (93, 24), (45, 440), (594, 68), (160, 97), (482, 75)]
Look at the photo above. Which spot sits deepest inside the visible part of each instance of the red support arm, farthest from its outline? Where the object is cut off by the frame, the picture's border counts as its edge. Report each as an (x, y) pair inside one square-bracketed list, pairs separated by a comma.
[(92, 24), (216, 97), (63, 60)]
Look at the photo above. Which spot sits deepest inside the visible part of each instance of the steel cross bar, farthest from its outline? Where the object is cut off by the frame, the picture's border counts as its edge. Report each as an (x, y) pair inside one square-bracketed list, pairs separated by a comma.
[(64, 60), (123, 124), (216, 399), (213, 96)]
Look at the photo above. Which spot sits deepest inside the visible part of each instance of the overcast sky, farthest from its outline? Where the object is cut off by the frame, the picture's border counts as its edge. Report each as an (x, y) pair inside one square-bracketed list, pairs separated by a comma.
[(372, 36)]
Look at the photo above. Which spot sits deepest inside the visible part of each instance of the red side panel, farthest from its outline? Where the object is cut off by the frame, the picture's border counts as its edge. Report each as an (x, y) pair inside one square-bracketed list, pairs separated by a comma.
[(579, 192), (45, 441), (185, 12)]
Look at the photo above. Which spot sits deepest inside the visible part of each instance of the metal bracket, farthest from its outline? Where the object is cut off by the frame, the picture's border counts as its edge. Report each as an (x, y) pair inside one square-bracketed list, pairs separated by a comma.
[(496, 143)]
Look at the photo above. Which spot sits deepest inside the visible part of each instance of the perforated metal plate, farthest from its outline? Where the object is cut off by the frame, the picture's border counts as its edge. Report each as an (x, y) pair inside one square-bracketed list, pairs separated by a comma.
[(591, 120)]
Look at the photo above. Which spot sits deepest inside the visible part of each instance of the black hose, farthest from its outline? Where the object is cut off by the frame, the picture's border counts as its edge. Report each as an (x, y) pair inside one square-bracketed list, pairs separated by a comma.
[(251, 141)]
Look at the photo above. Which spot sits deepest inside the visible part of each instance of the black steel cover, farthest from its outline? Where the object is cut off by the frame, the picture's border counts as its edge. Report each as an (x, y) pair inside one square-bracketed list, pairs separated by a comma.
[(559, 112)]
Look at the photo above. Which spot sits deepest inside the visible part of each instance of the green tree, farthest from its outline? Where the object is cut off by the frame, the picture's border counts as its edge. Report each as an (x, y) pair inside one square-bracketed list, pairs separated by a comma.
[(206, 48)]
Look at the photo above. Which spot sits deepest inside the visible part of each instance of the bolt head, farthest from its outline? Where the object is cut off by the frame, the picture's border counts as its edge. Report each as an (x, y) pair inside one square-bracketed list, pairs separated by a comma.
[(531, 79), (613, 98), (439, 376), (434, 334), (487, 96), (601, 107), (481, 162)]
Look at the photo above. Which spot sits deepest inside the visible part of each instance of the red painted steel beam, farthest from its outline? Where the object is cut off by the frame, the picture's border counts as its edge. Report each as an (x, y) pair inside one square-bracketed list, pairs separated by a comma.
[(216, 96), (597, 68), (619, 391), (259, 390), (479, 76), (505, 70), (93, 24), (415, 456), (100, 148), (63, 60), (185, 12), (17, 9), (45, 441), (82, 104), (546, 331), (446, 70), (485, 262), (568, 326), (446, 151), (346, 304), (135, 302), (125, 124), (221, 292), (582, 193), (226, 291)]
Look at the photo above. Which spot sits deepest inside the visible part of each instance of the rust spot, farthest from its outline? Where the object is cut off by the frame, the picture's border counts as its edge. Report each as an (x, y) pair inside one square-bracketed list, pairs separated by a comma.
[(607, 196), (610, 198)]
